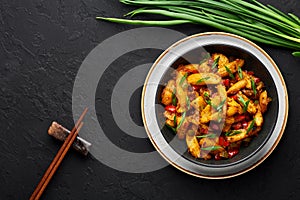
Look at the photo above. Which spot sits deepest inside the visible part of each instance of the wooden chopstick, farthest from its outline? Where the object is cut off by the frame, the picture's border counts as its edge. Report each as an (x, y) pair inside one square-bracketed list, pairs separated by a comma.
[(58, 158), (49, 177)]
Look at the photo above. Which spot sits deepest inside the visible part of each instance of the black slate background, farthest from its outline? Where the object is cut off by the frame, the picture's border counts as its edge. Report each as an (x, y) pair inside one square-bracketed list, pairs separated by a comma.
[(42, 45)]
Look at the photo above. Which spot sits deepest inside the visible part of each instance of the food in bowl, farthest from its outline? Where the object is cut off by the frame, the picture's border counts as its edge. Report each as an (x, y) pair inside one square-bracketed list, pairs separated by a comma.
[(189, 50), (215, 105)]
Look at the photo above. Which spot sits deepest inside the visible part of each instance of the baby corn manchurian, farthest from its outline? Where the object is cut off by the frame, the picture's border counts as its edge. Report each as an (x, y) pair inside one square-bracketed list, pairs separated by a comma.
[(215, 106)]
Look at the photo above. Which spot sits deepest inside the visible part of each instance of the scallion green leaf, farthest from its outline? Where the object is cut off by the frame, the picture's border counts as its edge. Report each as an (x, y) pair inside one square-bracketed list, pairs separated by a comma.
[(250, 19), (220, 106), (172, 128), (181, 120), (212, 135), (183, 79), (220, 118), (243, 102), (240, 72), (207, 98), (251, 126), (253, 86), (233, 132), (188, 102), (215, 63), (206, 57), (174, 99), (174, 120), (211, 148), (245, 108), (202, 80), (229, 72), (296, 53), (206, 94)]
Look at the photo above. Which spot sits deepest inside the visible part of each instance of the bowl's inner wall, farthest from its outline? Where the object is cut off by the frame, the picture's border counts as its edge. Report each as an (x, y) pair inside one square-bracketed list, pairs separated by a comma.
[(251, 64)]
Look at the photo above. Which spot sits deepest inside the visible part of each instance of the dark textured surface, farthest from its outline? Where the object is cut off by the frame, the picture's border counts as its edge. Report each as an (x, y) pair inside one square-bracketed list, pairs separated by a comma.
[(42, 44)]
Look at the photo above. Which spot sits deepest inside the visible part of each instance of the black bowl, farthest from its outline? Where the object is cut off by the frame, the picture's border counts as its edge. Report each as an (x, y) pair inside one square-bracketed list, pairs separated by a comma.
[(187, 51)]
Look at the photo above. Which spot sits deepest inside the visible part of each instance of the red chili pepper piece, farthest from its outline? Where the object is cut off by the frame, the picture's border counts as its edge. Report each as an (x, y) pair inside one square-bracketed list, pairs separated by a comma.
[(235, 97), (196, 87), (250, 72), (245, 124), (223, 142), (256, 80), (226, 82), (170, 108), (191, 71), (204, 130), (232, 152), (237, 77), (240, 118), (237, 126), (217, 156)]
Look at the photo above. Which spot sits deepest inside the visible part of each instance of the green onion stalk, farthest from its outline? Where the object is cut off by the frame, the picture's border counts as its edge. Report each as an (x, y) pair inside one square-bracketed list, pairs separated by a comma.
[(251, 19)]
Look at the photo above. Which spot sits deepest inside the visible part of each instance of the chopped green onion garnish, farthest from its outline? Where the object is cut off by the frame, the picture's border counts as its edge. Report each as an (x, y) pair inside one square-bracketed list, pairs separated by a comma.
[(220, 106), (174, 100), (251, 126), (206, 57), (216, 61), (207, 98), (183, 79), (244, 103), (188, 102), (172, 128), (240, 72), (202, 79), (185, 85), (175, 122), (229, 72), (212, 135), (181, 121), (231, 133), (212, 148), (206, 94), (253, 86), (220, 117), (208, 101), (245, 108)]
